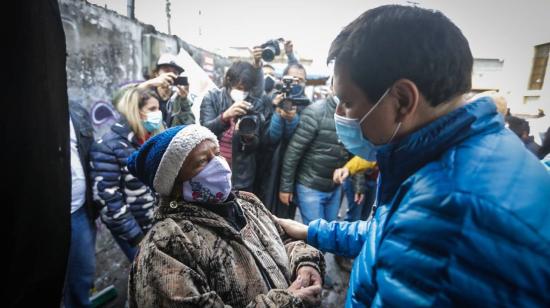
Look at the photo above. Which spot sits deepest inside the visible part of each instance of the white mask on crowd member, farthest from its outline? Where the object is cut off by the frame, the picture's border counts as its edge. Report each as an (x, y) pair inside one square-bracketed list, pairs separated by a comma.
[(238, 95)]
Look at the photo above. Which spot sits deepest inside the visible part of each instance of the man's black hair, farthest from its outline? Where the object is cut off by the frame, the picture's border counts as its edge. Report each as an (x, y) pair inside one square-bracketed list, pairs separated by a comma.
[(240, 72), (392, 42), (294, 65)]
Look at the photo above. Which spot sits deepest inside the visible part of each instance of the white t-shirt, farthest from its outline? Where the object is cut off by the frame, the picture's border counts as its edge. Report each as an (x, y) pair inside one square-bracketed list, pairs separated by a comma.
[(78, 187)]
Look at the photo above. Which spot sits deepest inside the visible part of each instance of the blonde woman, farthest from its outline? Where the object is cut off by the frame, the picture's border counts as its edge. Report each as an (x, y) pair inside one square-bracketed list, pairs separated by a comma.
[(126, 203)]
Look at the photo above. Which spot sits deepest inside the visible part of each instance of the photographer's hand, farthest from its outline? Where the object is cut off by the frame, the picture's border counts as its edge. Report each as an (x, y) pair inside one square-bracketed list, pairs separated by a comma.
[(183, 91), (163, 80), (288, 115), (277, 99), (257, 55), (237, 109), (289, 47)]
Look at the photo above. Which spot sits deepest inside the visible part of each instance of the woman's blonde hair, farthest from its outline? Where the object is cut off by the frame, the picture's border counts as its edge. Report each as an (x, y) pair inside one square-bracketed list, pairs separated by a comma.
[(130, 104)]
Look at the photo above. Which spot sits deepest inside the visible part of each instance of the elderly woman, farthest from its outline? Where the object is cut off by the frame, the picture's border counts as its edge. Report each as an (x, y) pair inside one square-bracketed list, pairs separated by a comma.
[(210, 246)]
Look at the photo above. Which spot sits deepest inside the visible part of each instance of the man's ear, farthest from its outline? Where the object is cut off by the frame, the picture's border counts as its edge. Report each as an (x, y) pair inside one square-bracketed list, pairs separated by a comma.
[(408, 98)]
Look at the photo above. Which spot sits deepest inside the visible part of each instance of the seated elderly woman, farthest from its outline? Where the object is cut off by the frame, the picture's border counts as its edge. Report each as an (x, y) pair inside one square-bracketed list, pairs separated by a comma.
[(212, 247)]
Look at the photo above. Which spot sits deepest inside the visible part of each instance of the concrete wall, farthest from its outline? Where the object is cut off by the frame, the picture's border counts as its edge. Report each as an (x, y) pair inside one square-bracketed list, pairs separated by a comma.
[(106, 50)]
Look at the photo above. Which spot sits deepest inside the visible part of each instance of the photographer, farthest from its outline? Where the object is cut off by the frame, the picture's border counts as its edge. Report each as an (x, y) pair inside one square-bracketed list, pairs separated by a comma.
[(314, 152), (270, 76), (174, 101), (286, 105), (237, 118)]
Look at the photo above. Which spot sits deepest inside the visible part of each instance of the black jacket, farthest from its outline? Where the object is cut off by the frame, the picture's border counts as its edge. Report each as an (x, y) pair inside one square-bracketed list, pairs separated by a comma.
[(314, 151), (85, 138), (244, 155)]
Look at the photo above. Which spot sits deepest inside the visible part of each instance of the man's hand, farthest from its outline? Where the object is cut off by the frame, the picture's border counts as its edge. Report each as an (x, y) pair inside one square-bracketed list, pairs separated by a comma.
[(359, 198), (287, 115), (257, 56), (183, 91), (163, 80), (340, 175), (285, 197), (310, 276), (237, 109), (309, 295), (289, 47), (293, 228), (277, 99)]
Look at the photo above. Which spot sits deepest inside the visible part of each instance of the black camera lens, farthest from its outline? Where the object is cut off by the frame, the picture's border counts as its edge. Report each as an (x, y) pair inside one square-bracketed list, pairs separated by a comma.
[(248, 124), (268, 54)]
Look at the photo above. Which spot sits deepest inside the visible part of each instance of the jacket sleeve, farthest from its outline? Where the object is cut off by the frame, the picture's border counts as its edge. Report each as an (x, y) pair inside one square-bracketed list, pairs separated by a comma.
[(276, 127), (106, 175), (358, 164), (290, 127), (291, 58), (341, 238), (301, 254), (358, 182), (299, 143), (181, 112), (209, 117), (158, 278), (258, 90)]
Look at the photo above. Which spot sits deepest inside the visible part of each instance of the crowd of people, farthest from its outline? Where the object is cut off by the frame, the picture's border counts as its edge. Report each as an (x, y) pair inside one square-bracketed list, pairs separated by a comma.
[(205, 209)]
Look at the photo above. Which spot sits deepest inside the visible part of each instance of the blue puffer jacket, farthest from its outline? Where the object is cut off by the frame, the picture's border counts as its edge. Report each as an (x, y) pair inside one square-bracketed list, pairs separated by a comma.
[(127, 203), (463, 219)]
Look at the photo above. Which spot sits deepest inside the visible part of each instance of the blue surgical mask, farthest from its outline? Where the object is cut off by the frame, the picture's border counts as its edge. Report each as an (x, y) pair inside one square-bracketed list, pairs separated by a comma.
[(153, 121), (296, 90), (349, 131)]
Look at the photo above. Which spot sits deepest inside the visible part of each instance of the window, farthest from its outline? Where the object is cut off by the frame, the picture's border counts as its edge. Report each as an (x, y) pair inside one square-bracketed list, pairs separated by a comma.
[(539, 66)]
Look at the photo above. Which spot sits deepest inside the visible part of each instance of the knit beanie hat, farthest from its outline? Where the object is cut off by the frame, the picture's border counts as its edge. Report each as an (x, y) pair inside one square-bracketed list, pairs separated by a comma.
[(159, 160)]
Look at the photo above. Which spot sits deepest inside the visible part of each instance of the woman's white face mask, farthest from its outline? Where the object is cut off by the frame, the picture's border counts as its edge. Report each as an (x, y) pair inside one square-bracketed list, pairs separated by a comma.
[(211, 185)]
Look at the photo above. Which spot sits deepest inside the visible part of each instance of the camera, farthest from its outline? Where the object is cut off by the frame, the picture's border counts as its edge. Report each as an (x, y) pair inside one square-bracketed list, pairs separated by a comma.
[(181, 81), (291, 96), (249, 123), (270, 50)]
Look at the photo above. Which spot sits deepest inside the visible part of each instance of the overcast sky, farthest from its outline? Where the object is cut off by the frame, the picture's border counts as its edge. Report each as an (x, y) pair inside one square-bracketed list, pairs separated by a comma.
[(491, 26)]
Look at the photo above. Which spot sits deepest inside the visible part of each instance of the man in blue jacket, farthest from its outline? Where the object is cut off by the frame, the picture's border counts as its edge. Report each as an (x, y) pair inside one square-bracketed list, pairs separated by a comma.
[(462, 214)]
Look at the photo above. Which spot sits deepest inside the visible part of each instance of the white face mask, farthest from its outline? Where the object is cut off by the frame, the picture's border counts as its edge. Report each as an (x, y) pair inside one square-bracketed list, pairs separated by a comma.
[(211, 185), (238, 95)]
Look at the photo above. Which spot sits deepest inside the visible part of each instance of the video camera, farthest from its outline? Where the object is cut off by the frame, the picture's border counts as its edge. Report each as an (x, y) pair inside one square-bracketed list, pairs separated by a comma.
[(286, 87), (271, 49)]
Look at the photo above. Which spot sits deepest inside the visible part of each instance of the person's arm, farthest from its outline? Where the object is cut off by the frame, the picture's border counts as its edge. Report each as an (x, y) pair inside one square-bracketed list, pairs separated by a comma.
[(358, 164), (289, 51), (290, 126), (301, 254), (209, 117), (299, 143), (258, 90), (276, 126), (181, 112), (106, 175), (341, 238)]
